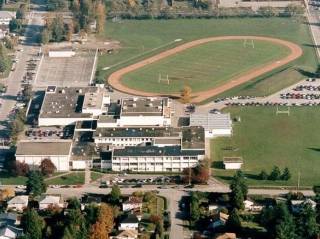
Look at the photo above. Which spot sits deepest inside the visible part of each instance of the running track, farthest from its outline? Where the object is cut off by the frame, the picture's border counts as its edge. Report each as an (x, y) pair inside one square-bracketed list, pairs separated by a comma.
[(295, 52)]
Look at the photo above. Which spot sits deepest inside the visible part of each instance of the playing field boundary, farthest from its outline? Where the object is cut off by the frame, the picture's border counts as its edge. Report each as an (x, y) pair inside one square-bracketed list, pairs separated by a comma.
[(295, 52)]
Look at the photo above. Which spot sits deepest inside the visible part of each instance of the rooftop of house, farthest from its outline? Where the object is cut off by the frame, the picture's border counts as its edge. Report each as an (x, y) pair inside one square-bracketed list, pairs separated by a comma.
[(211, 121), (193, 137), (128, 234), (8, 231), (50, 199), (65, 102), (144, 106), (7, 14), (49, 148), (130, 218), (23, 199), (138, 132), (155, 151), (133, 200)]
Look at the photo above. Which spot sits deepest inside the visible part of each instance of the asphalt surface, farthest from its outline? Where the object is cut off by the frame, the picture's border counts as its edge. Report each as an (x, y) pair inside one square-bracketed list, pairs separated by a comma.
[(30, 48)]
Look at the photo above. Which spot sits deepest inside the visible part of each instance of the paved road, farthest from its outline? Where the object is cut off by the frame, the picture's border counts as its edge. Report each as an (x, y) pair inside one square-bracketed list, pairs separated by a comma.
[(30, 49), (313, 17)]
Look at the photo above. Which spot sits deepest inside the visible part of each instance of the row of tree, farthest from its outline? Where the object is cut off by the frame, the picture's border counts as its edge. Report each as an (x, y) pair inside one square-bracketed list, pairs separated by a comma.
[(275, 174), (199, 8), (94, 222)]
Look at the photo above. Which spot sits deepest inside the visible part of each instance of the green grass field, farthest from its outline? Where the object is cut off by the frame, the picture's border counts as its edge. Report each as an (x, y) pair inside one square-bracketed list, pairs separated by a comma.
[(70, 179), (139, 37), (265, 139), (205, 66)]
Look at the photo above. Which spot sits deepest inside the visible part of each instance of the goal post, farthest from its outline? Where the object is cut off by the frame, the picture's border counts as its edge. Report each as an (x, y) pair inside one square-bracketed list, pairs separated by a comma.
[(287, 111), (165, 79), (248, 42)]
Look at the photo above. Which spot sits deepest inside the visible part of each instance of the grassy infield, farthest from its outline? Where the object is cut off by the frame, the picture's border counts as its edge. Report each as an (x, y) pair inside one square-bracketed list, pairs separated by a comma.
[(262, 138)]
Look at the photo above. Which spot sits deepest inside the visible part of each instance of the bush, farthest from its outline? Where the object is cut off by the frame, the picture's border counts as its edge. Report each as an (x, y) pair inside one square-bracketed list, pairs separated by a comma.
[(263, 175), (275, 174)]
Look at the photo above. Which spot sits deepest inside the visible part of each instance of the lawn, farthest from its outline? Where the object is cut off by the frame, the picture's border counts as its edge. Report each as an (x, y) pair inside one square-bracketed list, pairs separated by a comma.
[(205, 66), (70, 179), (7, 179), (264, 139), (95, 175), (139, 37)]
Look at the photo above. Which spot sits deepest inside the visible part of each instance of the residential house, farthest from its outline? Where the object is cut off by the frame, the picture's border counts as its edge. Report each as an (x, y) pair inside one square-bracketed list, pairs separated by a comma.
[(296, 205), (129, 222), (250, 205), (18, 203), (218, 220), (132, 203), (10, 232), (127, 234), (49, 201)]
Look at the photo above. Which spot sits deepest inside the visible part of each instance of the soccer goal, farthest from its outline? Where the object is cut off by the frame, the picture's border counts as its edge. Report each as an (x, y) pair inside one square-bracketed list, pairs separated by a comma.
[(286, 111), (248, 42), (164, 79)]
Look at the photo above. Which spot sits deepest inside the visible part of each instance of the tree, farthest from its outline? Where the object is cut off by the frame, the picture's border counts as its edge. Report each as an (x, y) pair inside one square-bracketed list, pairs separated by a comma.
[(74, 203), (186, 94), (4, 59), (15, 25), (263, 175), (236, 197), (115, 194), (47, 167), (35, 183), (21, 12), (104, 223), (21, 169), (278, 222), (54, 5), (45, 36), (275, 173), (194, 207), (286, 175), (75, 225), (101, 16), (234, 223), (267, 11), (91, 214), (294, 10), (238, 179), (32, 224), (6, 193), (306, 223)]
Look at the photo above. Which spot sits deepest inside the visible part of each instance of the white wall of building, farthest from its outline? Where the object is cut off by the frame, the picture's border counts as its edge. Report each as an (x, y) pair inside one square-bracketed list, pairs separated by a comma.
[(217, 133), (61, 53), (143, 120), (128, 226), (78, 164), (61, 162), (232, 165), (60, 121), (155, 164)]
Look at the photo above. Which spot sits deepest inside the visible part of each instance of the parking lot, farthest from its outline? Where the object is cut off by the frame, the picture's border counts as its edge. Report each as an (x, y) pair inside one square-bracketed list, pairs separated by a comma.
[(69, 71)]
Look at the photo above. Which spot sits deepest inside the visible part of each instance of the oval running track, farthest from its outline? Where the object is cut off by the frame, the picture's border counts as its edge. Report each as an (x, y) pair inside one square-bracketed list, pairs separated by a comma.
[(295, 52)]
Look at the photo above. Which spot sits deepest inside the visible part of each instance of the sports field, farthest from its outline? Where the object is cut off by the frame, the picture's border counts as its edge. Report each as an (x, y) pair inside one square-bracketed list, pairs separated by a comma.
[(264, 139), (204, 66), (144, 38)]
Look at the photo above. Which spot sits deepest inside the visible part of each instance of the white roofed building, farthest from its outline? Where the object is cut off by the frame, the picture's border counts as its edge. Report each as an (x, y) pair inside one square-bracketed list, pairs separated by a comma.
[(215, 125), (33, 152), (18, 203), (48, 201)]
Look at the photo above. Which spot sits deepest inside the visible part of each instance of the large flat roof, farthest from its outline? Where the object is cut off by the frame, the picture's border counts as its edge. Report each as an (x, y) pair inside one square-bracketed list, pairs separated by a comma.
[(65, 102), (147, 106), (138, 132), (43, 148), (155, 151), (193, 137), (211, 121)]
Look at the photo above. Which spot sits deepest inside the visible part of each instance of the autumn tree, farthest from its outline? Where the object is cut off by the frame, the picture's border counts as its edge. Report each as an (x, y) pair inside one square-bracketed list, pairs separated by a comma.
[(104, 223), (47, 167), (186, 94), (21, 169), (6, 193), (100, 16)]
